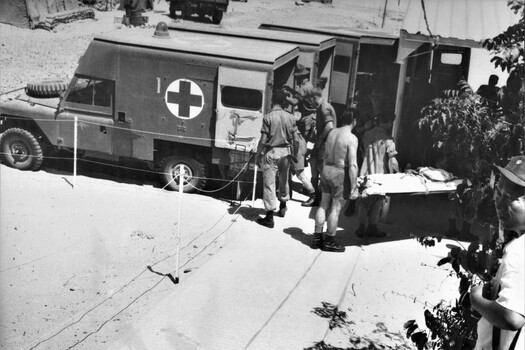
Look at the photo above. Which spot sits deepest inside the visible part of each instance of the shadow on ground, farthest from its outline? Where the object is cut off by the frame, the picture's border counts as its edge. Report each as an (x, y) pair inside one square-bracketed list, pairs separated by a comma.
[(340, 319), (137, 173), (250, 214)]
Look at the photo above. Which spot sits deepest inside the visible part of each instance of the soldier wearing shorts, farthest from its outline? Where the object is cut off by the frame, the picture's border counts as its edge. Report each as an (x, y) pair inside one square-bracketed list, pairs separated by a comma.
[(325, 121), (338, 181)]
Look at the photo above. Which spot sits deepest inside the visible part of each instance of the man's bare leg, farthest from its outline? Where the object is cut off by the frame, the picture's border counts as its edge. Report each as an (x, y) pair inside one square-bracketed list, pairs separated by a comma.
[(320, 218), (301, 175), (333, 217)]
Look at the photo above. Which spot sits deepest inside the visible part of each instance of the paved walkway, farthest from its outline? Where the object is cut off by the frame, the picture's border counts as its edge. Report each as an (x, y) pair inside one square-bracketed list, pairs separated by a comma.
[(269, 290)]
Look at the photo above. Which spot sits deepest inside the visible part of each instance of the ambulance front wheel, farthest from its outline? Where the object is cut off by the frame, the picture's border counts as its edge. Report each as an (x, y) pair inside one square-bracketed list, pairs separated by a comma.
[(190, 172), (20, 149)]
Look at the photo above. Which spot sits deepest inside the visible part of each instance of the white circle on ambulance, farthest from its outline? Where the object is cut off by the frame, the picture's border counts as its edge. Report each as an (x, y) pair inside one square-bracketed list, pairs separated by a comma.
[(184, 99)]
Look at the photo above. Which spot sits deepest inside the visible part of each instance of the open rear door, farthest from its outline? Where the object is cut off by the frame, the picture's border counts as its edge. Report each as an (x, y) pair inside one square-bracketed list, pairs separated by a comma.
[(240, 108)]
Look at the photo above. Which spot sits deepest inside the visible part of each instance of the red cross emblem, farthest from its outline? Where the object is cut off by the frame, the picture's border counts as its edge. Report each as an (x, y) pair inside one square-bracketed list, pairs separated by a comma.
[(184, 99)]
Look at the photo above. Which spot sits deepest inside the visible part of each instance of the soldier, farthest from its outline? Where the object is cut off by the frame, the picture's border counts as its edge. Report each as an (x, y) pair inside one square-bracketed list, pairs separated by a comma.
[(338, 181), (503, 312), (273, 154), (302, 98), (325, 121)]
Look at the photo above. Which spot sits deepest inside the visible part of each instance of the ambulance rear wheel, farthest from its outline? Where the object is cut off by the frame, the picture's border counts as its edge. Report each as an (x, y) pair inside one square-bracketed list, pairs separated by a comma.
[(190, 172), (20, 149), (217, 17)]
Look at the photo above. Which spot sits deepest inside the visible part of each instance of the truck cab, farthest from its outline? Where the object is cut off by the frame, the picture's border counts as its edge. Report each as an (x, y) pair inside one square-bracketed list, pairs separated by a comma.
[(213, 8), (168, 100)]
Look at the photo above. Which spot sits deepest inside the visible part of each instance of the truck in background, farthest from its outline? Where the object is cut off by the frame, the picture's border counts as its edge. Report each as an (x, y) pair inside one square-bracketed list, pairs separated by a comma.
[(213, 8)]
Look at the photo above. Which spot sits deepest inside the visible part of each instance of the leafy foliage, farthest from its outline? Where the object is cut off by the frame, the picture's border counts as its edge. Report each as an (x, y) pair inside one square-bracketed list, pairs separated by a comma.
[(471, 137), (508, 46)]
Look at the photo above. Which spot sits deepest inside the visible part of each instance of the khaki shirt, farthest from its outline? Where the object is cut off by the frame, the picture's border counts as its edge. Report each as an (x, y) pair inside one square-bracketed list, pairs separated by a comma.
[(279, 126)]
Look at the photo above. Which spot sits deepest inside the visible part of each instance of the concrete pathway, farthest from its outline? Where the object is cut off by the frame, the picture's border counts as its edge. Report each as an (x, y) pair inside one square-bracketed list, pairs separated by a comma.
[(268, 290)]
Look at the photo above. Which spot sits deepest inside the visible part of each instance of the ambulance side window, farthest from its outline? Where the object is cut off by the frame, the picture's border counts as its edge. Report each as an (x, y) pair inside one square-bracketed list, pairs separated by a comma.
[(242, 98), (95, 92)]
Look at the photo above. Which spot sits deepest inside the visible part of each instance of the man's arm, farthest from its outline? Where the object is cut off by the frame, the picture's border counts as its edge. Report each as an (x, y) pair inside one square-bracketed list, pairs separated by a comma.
[(320, 137), (265, 129), (352, 163), (496, 314)]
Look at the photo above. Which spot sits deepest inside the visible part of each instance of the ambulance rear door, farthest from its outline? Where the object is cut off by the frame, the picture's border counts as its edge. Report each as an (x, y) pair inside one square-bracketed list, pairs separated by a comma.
[(240, 108)]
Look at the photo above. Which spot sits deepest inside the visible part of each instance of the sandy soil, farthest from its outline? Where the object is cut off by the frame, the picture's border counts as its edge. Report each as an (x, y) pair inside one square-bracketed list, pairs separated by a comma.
[(33, 55), (70, 258)]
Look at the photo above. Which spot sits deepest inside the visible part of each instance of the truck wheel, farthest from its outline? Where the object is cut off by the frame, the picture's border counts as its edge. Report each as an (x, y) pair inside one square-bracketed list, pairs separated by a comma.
[(194, 175), (43, 89), (20, 149), (217, 17)]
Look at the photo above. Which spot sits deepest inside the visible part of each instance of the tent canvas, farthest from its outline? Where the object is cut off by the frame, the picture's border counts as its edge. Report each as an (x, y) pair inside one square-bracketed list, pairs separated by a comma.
[(28, 13)]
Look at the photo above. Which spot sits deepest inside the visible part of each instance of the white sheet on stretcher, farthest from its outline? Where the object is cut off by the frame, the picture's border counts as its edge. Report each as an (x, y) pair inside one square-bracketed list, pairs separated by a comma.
[(386, 184)]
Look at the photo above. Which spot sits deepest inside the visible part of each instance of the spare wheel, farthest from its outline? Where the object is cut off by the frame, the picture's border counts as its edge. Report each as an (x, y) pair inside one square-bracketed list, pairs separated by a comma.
[(47, 88)]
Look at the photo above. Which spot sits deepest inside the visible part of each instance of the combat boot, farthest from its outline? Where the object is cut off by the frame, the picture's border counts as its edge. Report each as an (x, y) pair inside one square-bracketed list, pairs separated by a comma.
[(317, 242), (330, 245), (282, 209), (267, 220)]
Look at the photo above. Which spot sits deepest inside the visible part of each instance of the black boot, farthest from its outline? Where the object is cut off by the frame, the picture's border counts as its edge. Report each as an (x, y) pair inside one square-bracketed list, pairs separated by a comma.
[(361, 231), (317, 242), (282, 209), (267, 220), (373, 231), (330, 245)]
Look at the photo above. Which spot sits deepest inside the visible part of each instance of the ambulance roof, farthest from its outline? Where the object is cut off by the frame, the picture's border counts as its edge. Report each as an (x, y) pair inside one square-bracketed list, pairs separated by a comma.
[(364, 36), (303, 40), (206, 44)]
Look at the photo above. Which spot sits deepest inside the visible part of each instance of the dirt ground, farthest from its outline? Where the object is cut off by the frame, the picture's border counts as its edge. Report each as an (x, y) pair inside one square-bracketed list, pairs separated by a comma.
[(33, 55), (70, 258)]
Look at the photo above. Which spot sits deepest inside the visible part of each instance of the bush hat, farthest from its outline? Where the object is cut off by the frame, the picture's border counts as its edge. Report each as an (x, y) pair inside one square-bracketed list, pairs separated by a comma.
[(515, 170), (300, 70)]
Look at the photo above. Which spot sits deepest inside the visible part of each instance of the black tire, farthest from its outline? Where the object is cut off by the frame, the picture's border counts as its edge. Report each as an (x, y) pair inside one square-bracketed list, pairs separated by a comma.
[(217, 17), (20, 149), (46, 89), (195, 177)]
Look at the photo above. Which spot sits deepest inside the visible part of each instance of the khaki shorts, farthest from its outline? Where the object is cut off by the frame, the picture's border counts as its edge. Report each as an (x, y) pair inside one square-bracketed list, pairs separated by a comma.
[(335, 181)]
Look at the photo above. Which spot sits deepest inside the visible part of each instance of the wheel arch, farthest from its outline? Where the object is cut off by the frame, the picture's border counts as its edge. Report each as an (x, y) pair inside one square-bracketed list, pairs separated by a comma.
[(8, 122), (163, 148)]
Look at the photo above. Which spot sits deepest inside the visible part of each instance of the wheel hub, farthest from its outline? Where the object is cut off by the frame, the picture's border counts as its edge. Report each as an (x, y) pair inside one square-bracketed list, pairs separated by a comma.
[(181, 174), (19, 151)]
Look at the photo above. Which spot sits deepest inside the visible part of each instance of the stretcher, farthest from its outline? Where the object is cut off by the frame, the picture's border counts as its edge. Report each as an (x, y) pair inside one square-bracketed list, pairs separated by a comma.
[(405, 184)]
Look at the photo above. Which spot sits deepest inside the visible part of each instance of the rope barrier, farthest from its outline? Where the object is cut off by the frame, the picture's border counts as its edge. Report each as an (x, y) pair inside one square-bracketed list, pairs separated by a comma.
[(129, 168), (229, 183), (80, 121), (94, 305)]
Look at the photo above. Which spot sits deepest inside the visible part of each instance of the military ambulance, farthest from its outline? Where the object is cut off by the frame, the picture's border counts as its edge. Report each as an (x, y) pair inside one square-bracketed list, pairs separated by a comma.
[(316, 52), (166, 98)]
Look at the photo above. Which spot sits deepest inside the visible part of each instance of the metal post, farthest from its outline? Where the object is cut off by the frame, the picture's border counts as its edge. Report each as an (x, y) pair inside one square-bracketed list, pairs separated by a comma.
[(75, 140), (181, 190), (254, 183)]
